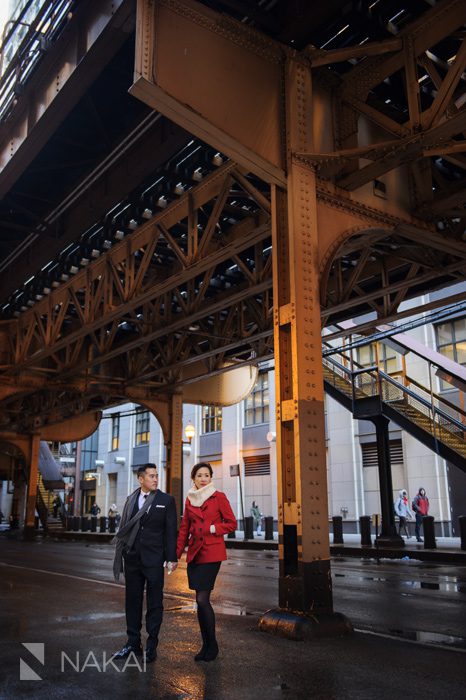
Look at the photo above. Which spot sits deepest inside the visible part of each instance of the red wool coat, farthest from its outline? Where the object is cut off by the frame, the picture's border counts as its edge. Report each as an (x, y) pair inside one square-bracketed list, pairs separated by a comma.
[(203, 546)]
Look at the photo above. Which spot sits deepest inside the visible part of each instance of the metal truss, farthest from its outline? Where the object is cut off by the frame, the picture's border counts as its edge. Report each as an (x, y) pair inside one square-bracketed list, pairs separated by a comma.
[(192, 285), (422, 129), (378, 271)]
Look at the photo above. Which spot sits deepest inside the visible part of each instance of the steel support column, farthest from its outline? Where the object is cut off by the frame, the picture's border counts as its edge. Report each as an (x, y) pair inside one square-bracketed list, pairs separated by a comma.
[(388, 534), (305, 583), (304, 554), (32, 484), (174, 451)]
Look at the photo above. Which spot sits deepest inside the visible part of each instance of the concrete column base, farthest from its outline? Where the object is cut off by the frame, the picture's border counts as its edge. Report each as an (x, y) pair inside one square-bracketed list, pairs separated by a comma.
[(390, 541), (29, 532), (301, 627)]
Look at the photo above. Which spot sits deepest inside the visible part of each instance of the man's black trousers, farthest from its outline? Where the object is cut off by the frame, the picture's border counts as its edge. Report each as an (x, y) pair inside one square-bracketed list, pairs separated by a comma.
[(136, 577)]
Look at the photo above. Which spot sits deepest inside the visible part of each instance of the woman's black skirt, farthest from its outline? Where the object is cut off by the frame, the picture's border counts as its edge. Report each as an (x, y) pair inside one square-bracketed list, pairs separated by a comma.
[(201, 577)]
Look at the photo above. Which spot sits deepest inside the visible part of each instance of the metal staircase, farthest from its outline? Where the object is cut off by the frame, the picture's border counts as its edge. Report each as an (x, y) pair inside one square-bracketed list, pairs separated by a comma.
[(432, 419), (44, 505)]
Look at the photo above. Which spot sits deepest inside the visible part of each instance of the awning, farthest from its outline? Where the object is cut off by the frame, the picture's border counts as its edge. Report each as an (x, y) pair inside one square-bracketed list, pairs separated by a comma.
[(49, 468)]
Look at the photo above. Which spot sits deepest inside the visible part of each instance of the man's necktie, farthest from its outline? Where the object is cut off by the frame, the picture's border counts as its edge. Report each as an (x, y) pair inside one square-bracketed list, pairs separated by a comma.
[(144, 499)]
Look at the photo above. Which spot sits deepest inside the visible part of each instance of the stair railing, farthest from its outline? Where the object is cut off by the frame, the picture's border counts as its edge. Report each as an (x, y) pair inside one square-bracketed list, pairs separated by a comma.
[(41, 509), (444, 418)]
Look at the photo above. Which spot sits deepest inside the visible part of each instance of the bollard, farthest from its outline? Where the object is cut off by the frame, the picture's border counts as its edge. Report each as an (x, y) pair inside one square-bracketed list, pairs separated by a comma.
[(93, 524), (337, 529), (84, 524), (75, 523), (68, 523), (103, 523), (249, 528), (365, 526), (268, 524), (112, 525), (462, 524), (429, 532)]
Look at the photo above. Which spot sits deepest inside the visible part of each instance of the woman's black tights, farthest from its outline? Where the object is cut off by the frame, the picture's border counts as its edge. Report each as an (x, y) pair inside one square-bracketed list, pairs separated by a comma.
[(206, 616)]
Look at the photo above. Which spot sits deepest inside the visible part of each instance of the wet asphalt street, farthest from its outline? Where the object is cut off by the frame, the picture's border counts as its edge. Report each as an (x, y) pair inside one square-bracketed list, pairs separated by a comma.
[(393, 597), (63, 595)]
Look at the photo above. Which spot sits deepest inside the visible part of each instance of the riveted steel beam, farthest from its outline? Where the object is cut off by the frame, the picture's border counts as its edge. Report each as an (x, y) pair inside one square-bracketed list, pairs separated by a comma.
[(179, 40), (303, 540)]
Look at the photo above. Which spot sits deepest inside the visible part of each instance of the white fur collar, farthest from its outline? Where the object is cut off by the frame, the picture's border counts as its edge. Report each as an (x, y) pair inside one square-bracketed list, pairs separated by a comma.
[(198, 496)]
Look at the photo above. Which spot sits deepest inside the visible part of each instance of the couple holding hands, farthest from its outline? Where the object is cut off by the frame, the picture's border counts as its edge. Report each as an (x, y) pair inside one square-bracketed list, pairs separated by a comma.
[(147, 539)]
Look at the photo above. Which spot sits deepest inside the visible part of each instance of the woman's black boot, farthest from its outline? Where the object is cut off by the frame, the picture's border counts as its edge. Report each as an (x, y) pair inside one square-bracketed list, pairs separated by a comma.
[(211, 651), (201, 653)]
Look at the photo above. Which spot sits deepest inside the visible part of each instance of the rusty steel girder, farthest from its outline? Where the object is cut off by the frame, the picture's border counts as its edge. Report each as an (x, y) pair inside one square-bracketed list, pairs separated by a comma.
[(150, 306)]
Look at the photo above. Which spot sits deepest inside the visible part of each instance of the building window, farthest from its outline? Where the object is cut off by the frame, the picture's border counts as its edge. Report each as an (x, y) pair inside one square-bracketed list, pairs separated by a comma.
[(115, 431), (112, 488), (211, 419), (142, 436), (89, 448), (451, 342), (256, 407), (388, 360), (258, 465)]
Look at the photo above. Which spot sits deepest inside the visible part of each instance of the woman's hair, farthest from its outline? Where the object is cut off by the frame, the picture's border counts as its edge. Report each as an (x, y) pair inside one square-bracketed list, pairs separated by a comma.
[(201, 465)]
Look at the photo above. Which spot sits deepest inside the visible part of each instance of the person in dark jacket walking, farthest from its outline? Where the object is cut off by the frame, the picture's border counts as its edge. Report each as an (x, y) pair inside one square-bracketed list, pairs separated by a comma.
[(207, 518), (145, 541), (56, 506), (421, 509), (95, 510)]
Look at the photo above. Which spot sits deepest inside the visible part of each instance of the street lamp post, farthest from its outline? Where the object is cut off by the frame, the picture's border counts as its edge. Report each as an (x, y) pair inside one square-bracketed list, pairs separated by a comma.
[(190, 432)]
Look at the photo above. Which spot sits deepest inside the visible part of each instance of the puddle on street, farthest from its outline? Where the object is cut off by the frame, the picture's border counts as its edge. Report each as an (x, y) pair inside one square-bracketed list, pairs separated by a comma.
[(373, 578), (430, 585), (89, 617), (223, 609), (453, 586), (232, 610), (430, 638)]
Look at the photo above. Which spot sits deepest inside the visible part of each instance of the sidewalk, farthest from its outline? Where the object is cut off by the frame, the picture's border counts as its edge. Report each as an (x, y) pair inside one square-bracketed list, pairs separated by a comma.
[(448, 549)]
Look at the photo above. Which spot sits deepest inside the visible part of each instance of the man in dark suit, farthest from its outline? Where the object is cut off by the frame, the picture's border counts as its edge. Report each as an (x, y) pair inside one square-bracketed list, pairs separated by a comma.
[(146, 539)]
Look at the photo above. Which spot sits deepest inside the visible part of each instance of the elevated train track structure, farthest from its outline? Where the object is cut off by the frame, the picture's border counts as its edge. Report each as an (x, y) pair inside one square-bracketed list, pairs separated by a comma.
[(190, 186)]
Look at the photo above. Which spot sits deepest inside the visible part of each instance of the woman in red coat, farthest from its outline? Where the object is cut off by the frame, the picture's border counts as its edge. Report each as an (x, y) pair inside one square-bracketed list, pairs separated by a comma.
[(207, 517)]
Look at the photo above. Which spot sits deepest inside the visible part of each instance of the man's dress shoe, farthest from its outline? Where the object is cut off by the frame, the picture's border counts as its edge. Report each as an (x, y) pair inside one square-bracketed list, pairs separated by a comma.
[(151, 652), (126, 651)]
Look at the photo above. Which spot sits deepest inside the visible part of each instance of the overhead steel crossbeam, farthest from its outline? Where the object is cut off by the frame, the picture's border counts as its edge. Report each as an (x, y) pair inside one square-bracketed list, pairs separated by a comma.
[(380, 271), (427, 59), (193, 282)]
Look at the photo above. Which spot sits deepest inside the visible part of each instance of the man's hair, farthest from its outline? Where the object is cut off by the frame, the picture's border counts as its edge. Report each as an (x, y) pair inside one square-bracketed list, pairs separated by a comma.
[(142, 469)]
